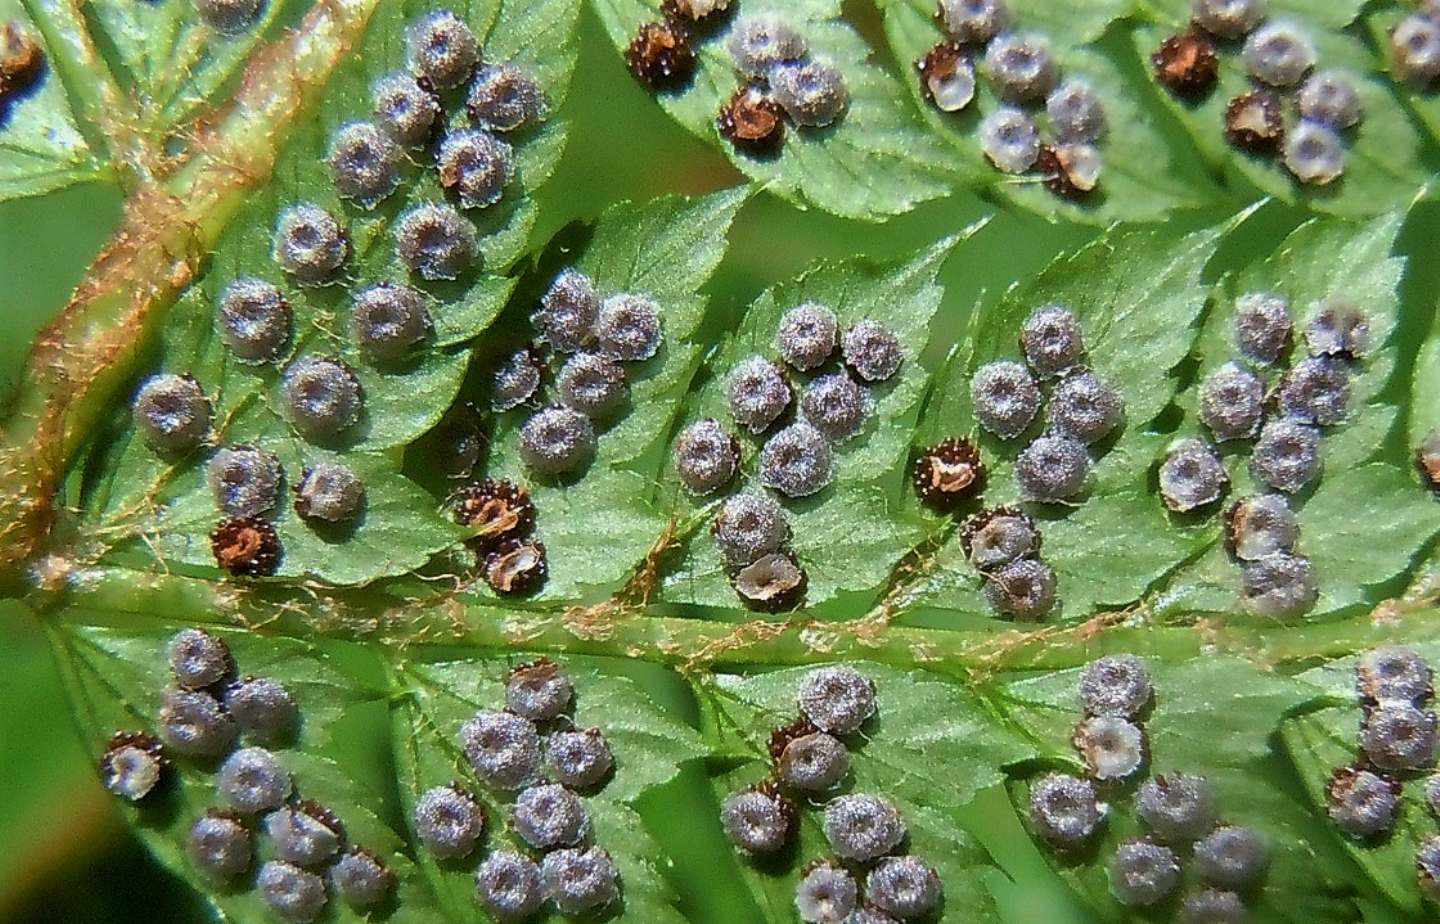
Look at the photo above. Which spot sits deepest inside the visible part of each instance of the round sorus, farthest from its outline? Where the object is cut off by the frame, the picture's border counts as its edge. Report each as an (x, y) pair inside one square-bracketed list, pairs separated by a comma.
[(198, 659), (1427, 867), (255, 320), (1052, 469), (1362, 803), (814, 763), (496, 509), (172, 413), (996, 537), (219, 846), (1005, 398), (291, 893), (246, 547), (826, 893), (516, 566), (253, 780), (757, 820), (322, 397), (132, 765), (1227, 18), (1254, 122), (360, 879), (1262, 326), (1021, 66), (695, 10), (1113, 748), (1394, 674), (1278, 54), (1070, 170), (1143, 873), (1232, 402), (449, 821), (1024, 588), (194, 723), (592, 384), (538, 691), (973, 21), (503, 749), (947, 76), (835, 405), (949, 473), (1415, 49), (228, 17), (331, 492), (1075, 111), (797, 461), (1232, 856), (1261, 525), (509, 886), (476, 166), (906, 887), (568, 311), (707, 456), (1010, 140), (807, 335), (1192, 476), (263, 708), (863, 827), (580, 880), (759, 43), (435, 241), (772, 582), (1086, 407), (557, 440), (812, 93), (549, 815), (752, 120), (306, 834), (579, 759), (749, 526), (1399, 736), (660, 55), (1279, 585), (504, 98), (627, 329), (1315, 390), (1287, 455), (1432, 793), (837, 699), (441, 49), (1329, 97), (388, 321), (872, 351), (404, 110), (309, 243), (1213, 906), (1338, 329), (1314, 153), (244, 481), (1177, 807), (1186, 64), (515, 379), (1064, 810), (1115, 685), (365, 163), (758, 393)]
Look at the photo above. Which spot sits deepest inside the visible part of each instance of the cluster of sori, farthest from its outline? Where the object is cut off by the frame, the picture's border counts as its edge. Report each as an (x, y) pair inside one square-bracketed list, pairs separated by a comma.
[(1397, 742), (229, 17), (501, 513), (797, 459), (22, 63), (870, 880), (1281, 60), (205, 710), (1178, 809), (1313, 392), (1022, 69), (596, 337), (506, 750), (1415, 46)]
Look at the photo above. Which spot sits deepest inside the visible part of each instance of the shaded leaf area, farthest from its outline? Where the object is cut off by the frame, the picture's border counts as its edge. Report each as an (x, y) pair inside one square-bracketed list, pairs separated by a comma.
[(1322, 260), (1145, 175), (1326, 740), (1213, 716), (117, 677), (598, 525), (1137, 296), (42, 144), (848, 536), (930, 749), (1383, 164), (162, 506), (649, 744), (875, 161)]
